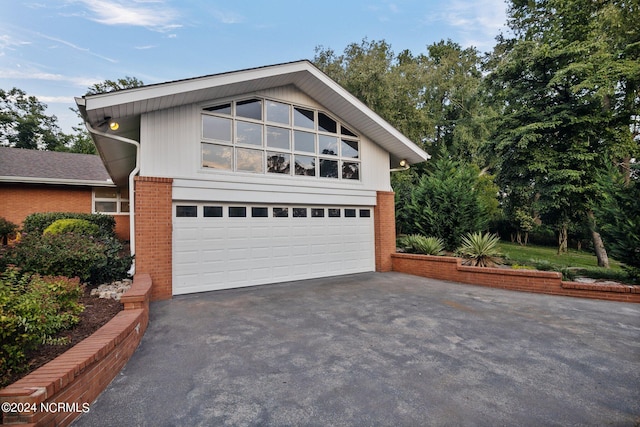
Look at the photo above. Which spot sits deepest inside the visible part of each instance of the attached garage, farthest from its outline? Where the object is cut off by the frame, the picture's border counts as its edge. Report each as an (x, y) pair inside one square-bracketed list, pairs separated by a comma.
[(251, 177), (218, 246)]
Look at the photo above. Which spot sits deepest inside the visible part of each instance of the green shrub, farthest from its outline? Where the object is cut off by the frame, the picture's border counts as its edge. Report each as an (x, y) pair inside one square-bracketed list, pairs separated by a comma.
[(480, 250), (70, 225), (38, 222), (93, 260), (32, 310), (418, 244), (7, 228)]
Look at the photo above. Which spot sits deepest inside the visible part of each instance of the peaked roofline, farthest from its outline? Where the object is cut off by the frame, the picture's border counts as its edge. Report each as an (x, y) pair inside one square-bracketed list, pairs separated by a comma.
[(127, 105)]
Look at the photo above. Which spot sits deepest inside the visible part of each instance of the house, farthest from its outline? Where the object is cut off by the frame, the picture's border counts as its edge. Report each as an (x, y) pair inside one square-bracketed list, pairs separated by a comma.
[(47, 181), (250, 177)]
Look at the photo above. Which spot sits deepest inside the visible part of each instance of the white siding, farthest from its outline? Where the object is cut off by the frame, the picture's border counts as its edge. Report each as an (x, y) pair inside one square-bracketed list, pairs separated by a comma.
[(170, 147)]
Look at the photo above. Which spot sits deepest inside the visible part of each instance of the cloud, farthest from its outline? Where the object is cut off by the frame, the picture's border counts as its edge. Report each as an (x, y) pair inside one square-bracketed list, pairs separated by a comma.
[(55, 99), (36, 74), (227, 17), (153, 14), (478, 22), (10, 43), (76, 47)]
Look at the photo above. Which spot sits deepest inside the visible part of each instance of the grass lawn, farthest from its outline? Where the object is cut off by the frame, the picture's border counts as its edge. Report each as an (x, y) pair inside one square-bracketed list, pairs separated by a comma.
[(544, 255)]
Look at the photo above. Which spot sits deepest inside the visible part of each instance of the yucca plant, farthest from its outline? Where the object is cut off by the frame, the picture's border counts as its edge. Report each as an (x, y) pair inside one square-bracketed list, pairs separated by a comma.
[(480, 250), (418, 244)]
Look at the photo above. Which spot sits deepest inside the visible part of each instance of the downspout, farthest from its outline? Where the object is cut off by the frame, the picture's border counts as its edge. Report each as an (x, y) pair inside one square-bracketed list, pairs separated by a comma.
[(132, 196)]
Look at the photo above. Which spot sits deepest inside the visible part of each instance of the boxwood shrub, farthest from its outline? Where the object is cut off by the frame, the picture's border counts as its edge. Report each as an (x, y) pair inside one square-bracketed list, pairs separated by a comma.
[(69, 225), (38, 222)]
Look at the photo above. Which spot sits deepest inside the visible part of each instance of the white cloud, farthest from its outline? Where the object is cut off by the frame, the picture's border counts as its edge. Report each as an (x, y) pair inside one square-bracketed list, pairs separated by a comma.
[(34, 74), (227, 17), (152, 14), (55, 99), (8, 42), (76, 47)]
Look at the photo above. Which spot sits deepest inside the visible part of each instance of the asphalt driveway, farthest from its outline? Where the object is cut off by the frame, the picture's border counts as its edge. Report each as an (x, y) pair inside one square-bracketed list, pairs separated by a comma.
[(379, 349)]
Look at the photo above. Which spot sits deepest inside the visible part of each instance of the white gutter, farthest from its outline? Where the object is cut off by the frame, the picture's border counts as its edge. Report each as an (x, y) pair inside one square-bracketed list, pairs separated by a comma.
[(132, 197), (53, 181)]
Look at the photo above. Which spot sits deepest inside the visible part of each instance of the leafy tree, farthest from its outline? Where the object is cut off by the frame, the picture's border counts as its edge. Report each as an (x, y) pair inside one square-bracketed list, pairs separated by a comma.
[(556, 124), (24, 124), (114, 85)]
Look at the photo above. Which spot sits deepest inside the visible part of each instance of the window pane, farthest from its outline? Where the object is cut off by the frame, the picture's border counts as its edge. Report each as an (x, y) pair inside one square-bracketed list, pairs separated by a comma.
[(259, 212), (249, 160), (334, 213), (216, 128), (278, 112), (305, 165), (124, 207), (106, 207), (350, 213), (299, 212), (327, 145), (217, 156), (278, 162), (106, 193), (220, 109), (213, 211), (328, 168), (280, 212), (186, 211), (365, 213), (304, 141), (350, 149), (251, 109), (326, 123), (237, 211), (278, 138), (350, 170), (248, 133), (345, 131), (303, 118), (317, 213)]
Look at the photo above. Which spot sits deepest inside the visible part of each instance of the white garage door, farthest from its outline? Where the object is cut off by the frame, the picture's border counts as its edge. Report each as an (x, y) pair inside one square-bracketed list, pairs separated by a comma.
[(220, 246)]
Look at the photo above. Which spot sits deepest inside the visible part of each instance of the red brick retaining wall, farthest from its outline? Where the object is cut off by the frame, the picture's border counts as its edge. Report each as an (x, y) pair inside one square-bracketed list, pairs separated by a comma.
[(56, 393), (544, 282)]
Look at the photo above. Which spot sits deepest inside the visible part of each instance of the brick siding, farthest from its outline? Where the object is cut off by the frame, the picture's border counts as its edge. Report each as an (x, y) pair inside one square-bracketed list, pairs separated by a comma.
[(154, 228), (384, 230)]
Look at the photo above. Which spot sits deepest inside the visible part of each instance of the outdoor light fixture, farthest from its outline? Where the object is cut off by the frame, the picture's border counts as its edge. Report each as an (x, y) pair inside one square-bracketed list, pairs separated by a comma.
[(113, 125), (404, 165)]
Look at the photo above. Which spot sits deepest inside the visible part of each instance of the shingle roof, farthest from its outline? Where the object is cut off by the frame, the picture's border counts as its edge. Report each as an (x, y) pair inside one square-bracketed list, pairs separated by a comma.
[(21, 165)]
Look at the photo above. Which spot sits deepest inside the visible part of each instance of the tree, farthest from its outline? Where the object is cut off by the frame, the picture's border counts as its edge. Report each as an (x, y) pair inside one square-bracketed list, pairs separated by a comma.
[(114, 85), (556, 126), (449, 201), (24, 124)]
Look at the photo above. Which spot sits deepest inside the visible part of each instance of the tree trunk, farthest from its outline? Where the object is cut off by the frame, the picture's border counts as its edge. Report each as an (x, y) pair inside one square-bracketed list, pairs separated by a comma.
[(598, 244), (562, 239)]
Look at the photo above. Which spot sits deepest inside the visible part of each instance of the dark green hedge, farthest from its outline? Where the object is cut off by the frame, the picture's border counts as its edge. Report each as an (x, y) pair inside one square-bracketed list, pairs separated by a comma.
[(38, 222)]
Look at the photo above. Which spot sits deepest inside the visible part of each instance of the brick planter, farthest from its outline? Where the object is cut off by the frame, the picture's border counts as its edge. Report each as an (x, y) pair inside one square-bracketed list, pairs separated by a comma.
[(56, 393), (544, 282)]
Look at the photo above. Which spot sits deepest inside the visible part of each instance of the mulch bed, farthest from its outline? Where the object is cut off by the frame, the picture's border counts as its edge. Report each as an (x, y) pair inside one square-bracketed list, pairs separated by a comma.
[(97, 312)]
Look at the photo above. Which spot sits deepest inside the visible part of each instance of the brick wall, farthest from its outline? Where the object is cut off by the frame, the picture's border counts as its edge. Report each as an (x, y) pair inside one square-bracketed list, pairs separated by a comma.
[(154, 228), (78, 376), (122, 226), (544, 282), (385, 229), (20, 201)]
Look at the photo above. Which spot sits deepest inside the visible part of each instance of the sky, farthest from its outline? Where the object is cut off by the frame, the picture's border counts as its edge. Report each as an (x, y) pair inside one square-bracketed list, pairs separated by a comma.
[(56, 49)]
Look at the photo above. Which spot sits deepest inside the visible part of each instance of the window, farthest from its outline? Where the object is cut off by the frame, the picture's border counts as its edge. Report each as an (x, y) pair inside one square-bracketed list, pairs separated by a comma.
[(263, 136), (334, 213), (299, 212), (365, 213), (237, 211), (349, 213), (186, 211), (259, 212), (280, 212), (213, 211), (110, 200), (317, 213)]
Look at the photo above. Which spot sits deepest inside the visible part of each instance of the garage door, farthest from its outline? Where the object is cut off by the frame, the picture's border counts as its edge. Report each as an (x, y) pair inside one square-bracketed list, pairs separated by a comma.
[(220, 246)]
